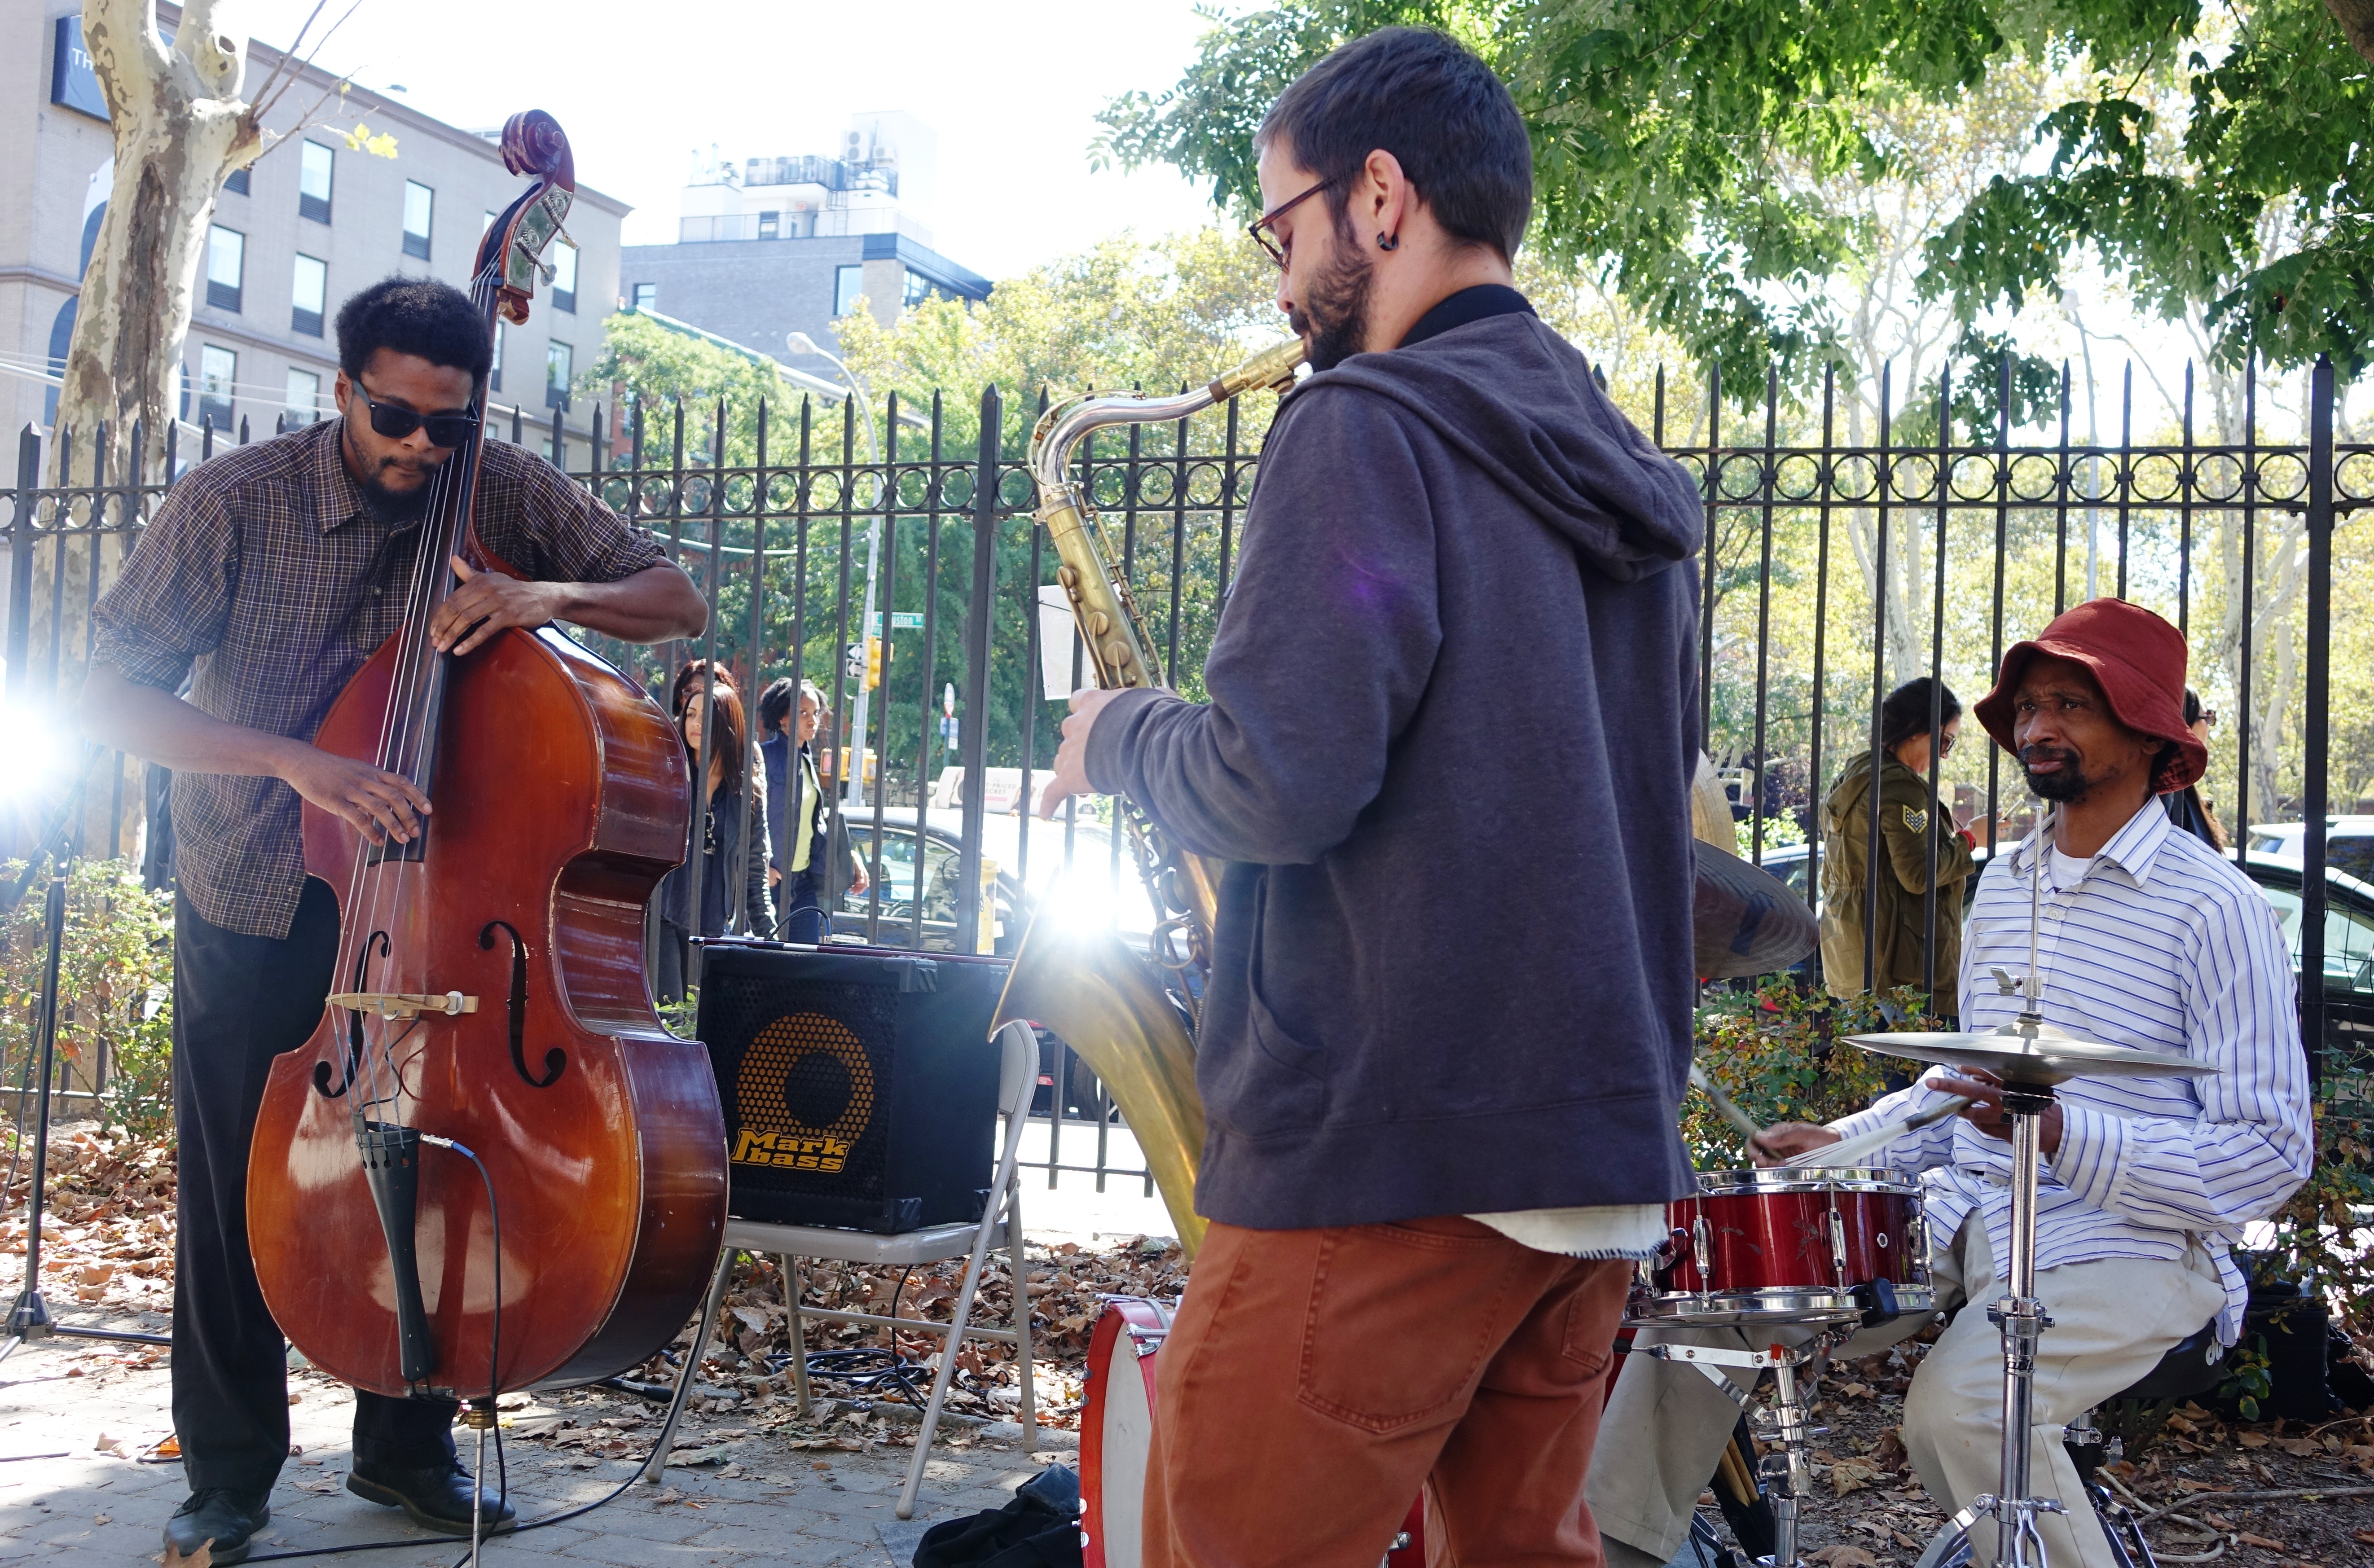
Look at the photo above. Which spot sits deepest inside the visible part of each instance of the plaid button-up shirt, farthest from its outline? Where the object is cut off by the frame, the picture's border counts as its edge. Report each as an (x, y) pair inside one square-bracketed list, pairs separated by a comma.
[(264, 571)]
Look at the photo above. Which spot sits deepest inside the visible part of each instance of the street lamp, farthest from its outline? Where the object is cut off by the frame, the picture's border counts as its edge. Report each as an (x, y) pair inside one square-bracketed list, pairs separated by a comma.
[(853, 775)]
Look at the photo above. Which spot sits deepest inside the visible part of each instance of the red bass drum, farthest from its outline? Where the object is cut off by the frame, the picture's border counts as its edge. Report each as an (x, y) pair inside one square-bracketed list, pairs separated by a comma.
[(1117, 1439)]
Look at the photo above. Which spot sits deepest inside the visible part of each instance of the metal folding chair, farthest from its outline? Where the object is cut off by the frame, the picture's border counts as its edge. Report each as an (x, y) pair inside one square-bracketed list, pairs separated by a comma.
[(1001, 1221)]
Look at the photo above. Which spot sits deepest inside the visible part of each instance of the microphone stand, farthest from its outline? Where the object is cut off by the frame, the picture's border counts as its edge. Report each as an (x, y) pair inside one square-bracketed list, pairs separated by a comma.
[(29, 1316)]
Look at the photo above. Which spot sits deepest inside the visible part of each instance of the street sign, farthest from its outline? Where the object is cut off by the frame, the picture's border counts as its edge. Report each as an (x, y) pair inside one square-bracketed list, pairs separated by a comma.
[(900, 621), (853, 660)]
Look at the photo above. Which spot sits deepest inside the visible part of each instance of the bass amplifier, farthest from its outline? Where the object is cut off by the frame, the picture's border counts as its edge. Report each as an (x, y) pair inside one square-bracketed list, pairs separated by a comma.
[(860, 1084)]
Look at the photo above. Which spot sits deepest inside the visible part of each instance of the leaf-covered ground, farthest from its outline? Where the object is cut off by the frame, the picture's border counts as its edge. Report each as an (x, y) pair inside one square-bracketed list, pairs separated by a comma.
[(108, 1251)]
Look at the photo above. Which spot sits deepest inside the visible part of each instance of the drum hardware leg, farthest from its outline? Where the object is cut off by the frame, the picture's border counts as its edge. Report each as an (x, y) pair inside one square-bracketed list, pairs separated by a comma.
[(2022, 1318)]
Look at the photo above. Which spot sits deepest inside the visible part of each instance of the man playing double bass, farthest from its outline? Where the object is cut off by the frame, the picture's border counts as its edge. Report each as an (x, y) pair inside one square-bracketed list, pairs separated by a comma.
[(1462, 634), (270, 574)]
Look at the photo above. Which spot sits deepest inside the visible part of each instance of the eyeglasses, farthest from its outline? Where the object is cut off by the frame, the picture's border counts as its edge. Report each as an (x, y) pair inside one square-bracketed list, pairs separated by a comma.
[(1264, 229), (1946, 740), (2209, 717), (446, 430)]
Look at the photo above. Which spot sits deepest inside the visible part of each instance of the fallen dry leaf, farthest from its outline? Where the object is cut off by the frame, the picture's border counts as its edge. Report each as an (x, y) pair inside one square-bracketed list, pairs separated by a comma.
[(202, 1557), (107, 1445), (1843, 1556), (2253, 1439), (1853, 1475), (2366, 1535), (2247, 1539), (1910, 1543), (670, 1495), (102, 1518)]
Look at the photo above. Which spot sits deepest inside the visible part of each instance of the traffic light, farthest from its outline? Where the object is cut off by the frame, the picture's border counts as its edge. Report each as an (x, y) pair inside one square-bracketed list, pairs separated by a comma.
[(873, 662)]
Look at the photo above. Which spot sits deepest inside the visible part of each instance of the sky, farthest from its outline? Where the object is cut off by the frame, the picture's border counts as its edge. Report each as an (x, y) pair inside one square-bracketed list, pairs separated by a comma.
[(1012, 89)]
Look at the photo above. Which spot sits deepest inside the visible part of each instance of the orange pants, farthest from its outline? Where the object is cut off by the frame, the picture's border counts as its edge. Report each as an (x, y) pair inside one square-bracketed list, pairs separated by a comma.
[(1315, 1380)]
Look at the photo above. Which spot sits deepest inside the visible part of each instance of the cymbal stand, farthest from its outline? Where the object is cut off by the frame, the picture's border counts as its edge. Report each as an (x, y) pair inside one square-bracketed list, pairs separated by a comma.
[(1788, 1477), (2019, 1314)]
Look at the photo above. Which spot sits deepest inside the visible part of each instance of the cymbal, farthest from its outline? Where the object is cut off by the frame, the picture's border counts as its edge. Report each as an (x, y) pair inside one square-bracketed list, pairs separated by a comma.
[(1745, 920), (2033, 1057)]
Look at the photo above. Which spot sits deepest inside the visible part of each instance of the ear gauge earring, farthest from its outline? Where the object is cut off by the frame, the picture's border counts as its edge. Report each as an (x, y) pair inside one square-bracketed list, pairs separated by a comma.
[(1389, 241)]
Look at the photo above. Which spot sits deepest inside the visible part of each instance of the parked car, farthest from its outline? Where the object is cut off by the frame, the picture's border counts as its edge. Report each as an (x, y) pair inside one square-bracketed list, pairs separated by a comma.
[(2348, 926), (1075, 867), (2348, 843)]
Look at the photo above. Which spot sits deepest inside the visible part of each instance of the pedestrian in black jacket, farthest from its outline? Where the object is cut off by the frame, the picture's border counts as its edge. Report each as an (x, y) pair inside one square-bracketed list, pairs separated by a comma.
[(1462, 634), (800, 814)]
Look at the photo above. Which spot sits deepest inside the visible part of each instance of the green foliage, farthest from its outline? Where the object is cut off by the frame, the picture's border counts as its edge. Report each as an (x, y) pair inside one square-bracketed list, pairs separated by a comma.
[(2212, 159), (1775, 1051), (2320, 1233), (115, 989)]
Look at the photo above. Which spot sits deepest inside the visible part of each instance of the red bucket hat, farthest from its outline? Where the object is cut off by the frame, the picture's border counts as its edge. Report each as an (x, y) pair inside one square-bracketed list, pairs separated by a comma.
[(2138, 660)]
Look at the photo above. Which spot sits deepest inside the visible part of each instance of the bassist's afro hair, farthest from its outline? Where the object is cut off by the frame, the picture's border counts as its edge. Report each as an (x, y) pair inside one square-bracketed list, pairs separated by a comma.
[(420, 316)]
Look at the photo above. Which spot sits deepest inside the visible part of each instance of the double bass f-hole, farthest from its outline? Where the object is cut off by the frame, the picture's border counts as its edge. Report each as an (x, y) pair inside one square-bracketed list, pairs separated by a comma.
[(555, 1059), (354, 1022)]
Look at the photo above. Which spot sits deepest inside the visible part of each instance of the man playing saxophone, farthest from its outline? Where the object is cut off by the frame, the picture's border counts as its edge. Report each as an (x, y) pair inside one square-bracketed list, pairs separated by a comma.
[(1463, 634)]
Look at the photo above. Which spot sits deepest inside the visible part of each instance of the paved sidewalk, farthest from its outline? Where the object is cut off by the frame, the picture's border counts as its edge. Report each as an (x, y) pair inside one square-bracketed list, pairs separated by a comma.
[(755, 1500)]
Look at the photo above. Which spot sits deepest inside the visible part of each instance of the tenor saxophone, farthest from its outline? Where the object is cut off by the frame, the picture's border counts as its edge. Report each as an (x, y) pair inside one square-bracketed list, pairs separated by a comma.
[(1129, 1016)]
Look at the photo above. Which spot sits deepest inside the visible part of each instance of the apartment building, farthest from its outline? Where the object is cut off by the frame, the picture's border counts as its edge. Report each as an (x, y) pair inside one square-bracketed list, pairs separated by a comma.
[(770, 246), (314, 219)]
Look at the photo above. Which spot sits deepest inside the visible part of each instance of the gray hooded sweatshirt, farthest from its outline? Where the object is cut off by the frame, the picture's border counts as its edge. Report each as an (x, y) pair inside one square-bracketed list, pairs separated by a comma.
[(1448, 754)]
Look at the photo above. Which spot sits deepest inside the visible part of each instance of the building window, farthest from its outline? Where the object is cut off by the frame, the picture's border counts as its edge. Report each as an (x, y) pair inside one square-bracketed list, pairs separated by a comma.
[(304, 397), (919, 289), (308, 294), (495, 372), (236, 182), (556, 376), (848, 289), (770, 224), (564, 278), (217, 371), (226, 261), (420, 202), (313, 165), (647, 296)]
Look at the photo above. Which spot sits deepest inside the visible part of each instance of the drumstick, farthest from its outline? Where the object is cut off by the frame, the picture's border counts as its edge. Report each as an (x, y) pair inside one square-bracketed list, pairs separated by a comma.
[(1855, 1151), (1723, 1101)]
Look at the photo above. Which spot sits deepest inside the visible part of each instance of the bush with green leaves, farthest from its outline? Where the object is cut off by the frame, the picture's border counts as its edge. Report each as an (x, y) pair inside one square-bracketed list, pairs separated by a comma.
[(115, 989), (1775, 1050)]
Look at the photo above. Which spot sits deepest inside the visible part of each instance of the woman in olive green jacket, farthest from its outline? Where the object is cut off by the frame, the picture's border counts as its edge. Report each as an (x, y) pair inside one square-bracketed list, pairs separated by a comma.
[(1907, 834)]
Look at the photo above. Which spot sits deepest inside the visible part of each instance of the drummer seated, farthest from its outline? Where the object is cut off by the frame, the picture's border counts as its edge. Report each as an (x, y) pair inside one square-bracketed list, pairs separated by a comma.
[(2148, 940)]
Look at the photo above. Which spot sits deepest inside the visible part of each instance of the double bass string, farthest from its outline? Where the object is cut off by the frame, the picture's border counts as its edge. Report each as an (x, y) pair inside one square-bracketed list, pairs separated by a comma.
[(373, 893)]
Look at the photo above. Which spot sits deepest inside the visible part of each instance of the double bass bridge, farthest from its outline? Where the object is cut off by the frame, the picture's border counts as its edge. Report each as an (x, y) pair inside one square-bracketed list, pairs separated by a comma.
[(405, 1004)]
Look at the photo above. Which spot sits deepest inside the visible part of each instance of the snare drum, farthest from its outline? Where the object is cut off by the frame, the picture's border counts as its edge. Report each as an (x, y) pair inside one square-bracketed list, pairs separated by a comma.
[(1770, 1246)]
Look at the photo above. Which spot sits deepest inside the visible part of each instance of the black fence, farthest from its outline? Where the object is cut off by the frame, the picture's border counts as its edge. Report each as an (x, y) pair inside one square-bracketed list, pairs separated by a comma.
[(1834, 568)]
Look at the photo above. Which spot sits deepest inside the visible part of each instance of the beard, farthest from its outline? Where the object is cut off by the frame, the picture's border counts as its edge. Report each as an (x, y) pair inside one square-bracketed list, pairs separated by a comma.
[(2066, 783), (1333, 320), (386, 503)]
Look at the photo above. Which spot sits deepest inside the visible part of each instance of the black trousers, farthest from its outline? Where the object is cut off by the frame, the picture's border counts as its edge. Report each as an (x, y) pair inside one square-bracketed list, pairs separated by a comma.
[(239, 1000)]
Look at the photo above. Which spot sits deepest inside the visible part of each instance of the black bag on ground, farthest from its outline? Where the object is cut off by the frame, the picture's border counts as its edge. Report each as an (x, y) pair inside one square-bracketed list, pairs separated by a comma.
[(1040, 1528)]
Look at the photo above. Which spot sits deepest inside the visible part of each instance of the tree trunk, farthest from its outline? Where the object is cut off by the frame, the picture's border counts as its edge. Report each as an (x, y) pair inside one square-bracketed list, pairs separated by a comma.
[(2357, 19), (180, 127)]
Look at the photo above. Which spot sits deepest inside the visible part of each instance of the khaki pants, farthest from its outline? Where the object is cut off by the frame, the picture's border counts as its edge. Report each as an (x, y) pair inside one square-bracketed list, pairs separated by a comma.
[(2112, 1321), (1315, 1380)]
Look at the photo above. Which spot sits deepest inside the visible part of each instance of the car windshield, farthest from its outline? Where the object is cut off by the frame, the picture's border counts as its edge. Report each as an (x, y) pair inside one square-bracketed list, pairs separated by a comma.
[(2348, 940)]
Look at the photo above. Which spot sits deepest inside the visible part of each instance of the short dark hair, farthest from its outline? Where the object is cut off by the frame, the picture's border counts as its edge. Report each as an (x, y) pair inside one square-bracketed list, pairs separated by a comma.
[(1906, 712), (418, 316), (775, 705), (1420, 95)]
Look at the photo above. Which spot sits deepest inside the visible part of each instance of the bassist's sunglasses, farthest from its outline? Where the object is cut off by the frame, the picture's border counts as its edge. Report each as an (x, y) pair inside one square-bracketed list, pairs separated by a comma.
[(446, 430)]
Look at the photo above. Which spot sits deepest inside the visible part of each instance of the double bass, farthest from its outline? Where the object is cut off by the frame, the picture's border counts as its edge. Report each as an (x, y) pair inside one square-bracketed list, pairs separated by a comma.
[(491, 1167)]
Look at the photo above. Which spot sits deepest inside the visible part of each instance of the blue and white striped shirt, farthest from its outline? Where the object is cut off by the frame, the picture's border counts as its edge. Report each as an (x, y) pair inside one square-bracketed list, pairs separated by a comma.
[(2162, 945)]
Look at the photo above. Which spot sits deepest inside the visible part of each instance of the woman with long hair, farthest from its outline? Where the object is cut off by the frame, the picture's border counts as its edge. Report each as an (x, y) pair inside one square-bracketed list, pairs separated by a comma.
[(729, 831), (2185, 807)]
